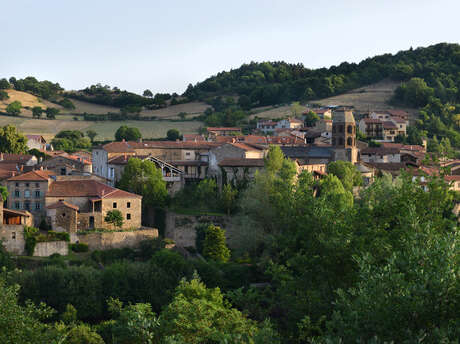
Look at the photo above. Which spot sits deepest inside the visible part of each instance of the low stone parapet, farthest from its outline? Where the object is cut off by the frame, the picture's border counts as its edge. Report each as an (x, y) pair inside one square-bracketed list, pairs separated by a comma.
[(108, 240), (45, 249)]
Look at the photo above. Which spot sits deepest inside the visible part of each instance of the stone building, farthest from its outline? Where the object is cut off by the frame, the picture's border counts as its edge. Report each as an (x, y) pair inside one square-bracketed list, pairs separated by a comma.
[(74, 205), (344, 136), (68, 165), (27, 192)]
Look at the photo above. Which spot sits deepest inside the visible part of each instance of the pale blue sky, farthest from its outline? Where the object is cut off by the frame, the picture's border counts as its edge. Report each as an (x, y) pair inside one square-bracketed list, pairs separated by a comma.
[(165, 45)]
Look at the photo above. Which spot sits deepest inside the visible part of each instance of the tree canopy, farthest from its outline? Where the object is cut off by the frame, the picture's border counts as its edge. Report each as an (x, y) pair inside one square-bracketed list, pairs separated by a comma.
[(127, 133)]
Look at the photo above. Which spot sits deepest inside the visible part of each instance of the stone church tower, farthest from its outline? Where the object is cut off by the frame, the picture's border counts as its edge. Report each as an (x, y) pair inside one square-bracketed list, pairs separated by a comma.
[(344, 136)]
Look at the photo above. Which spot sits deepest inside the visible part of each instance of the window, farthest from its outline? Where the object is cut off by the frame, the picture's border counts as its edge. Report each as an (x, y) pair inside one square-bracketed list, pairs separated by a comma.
[(128, 216), (37, 206), (114, 205), (27, 184), (128, 205), (17, 184), (37, 194), (17, 205), (27, 205), (27, 193), (17, 193), (350, 129), (13, 235), (349, 141), (63, 171), (37, 185), (340, 141)]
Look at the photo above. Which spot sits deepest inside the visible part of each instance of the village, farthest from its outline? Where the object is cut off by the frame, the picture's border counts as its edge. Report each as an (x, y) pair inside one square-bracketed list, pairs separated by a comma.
[(74, 193)]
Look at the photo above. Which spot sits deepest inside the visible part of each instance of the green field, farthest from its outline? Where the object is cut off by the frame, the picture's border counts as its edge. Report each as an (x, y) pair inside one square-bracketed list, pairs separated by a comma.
[(105, 130)]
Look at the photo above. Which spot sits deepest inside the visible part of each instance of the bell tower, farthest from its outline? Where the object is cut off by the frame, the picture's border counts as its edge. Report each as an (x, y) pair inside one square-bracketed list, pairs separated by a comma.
[(344, 136)]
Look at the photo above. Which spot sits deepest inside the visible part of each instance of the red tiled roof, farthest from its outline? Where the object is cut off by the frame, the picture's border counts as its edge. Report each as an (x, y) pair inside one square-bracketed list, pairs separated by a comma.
[(372, 120), (398, 120), (242, 163), (192, 137), (246, 146), (60, 204), (36, 175), (398, 113), (379, 150), (36, 138), (86, 188), (130, 146), (454, 178), (389, 125), (20, 158)]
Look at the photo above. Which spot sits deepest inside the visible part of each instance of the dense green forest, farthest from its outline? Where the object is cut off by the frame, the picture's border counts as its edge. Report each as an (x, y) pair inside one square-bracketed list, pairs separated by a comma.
[(313, 264)]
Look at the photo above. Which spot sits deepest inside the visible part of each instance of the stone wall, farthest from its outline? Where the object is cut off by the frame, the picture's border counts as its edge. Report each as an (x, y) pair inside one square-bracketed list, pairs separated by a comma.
[(12, 237), (45, 249), (104, 241), (181, 228)]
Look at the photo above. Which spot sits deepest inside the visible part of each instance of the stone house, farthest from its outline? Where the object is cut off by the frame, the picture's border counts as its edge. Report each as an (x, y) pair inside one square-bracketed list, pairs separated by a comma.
[(27, 192), (381, 155), (36, 142), (390, 131), (266, 126), (239, 169), (164, 150), (289, 123), (223, 131), (75, 205), (372, 128), (19, 159), (68, 165)]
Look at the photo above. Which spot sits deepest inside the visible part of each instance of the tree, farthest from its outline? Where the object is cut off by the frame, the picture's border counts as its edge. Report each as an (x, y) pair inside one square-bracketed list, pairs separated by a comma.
[(4, 84), (296, 109), (274, 159), (114, 217), (228, 198), (21, 324), (51, 112), (91, 134), (3, 193), (14, 108), (214, 246), (37, 112), (142, 177), (82, 334), (182, 115), (11, 141), (173, 135), (311, 118), (4, 95), (244, 102), (67, 104), (201, 315), (127, 133), (346, 172), (148, 93)]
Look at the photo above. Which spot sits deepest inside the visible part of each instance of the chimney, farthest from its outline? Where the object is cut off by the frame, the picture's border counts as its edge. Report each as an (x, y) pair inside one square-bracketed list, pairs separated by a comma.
[(1, 156), (22, 168), (123, 140), (125, 156), (41, 168)]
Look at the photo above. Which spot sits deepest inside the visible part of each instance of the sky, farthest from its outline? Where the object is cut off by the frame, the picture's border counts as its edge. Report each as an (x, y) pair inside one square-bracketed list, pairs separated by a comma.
[(166, 45)]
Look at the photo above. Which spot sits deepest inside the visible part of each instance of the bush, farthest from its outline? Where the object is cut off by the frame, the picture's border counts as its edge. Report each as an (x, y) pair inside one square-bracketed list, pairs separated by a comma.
[(79, 247)]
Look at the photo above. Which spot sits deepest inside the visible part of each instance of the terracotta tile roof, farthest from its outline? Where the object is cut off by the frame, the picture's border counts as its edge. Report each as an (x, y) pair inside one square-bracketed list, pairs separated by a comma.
[(36, 175), (17, 212), (192, 137), (454, 178), (242, 163), (295, 120), (130, 146), (123, 159), (379, 151), (60, 204), (372, 120), (284, 140), (270, 123), (398, 120), (118, 147), (19, 158), (246, 146), (224, 139), (86, 188), (389, 125), (415, 148)]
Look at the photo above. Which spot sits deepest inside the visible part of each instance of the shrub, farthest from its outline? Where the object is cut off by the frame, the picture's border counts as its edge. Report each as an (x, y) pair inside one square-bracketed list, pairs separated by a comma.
[(79, 247), (214, 246)]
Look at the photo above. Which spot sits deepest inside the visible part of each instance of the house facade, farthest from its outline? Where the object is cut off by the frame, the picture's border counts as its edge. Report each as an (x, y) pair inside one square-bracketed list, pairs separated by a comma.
[(75, 205)]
